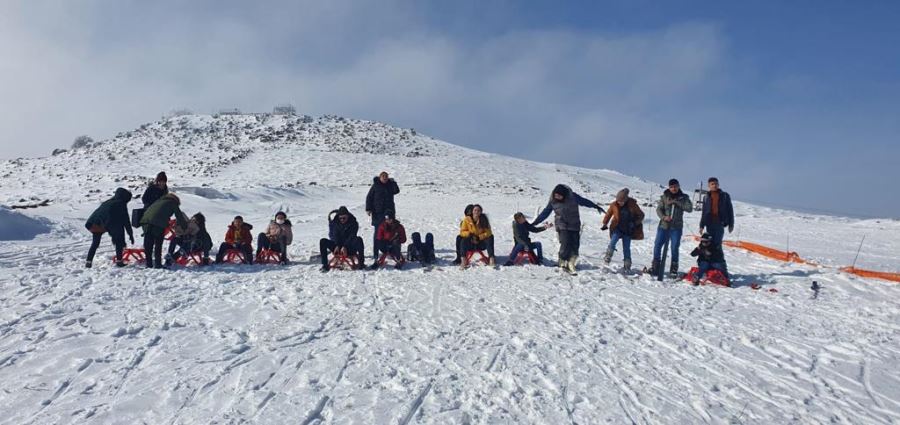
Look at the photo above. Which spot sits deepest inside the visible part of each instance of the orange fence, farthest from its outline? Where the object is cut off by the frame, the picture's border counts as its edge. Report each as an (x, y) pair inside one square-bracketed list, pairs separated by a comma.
[(793, 257)]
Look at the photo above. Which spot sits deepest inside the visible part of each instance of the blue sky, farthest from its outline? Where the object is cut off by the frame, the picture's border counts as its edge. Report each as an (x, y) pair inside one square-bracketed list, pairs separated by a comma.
[(788, 103)]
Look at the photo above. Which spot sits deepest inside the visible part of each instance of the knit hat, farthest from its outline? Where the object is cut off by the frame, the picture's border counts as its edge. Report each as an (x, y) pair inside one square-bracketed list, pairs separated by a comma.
[(622, 196), (161, 177), (673, 182), (389, 214)]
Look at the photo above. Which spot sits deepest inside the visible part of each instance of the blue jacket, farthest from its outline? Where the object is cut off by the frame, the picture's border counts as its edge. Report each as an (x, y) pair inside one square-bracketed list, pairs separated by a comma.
[(726, 211)]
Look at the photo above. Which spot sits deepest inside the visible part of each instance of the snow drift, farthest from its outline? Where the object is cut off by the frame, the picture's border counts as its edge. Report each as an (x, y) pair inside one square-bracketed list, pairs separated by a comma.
[(19, 227)]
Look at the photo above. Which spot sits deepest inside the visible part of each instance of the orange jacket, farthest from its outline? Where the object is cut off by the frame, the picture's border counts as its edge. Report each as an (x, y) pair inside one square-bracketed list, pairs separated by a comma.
[(637, 216)]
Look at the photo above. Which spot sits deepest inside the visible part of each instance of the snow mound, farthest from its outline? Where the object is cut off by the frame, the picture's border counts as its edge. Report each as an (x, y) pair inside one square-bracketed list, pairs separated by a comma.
[(19, 227)]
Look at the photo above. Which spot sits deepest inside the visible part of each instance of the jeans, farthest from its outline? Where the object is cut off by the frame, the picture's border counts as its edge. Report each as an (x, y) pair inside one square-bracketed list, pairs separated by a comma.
[(355, 247), (569, 242), (535, 246), (626, 243), (487, 244), (674, 236), (706, 266), (184, 245)]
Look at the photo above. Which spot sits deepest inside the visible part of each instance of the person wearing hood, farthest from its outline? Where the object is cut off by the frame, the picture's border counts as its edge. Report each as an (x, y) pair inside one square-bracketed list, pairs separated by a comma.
[(237, 237), (709, 257), (467, 212), (670, 209), (624, 219), (190, 239), (154, 223), (564, 204), (342, 238), (390, 237), (110, 217), (277, 237), (156, 189), (379, 201)]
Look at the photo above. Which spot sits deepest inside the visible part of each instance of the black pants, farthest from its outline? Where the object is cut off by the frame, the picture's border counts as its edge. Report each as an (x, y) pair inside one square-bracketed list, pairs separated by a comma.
[(421, 251), (487, 244), (245, 249), (569, 242), (391, 247), (117, 239), (459, 248), (185, 245), (153, 242), (263, 242), (355, 247), (377, 218)]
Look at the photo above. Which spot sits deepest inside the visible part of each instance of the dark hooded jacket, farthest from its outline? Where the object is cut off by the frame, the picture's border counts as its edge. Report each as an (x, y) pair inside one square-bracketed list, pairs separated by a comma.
[(158, 214), (381, 198), (567, 217), (342, 234), (521, 232), (152, 194), (112, 214), (711, 253)]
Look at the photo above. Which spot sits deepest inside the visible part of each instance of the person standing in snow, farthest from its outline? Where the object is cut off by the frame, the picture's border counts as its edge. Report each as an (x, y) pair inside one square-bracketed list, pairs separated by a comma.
[(624, 219), (476, 234), (379, 201), (110, 217), (277, 237), (237, 237), (564, 204), (155, 190), (718, 213), (342, 238), (467, 212), (670, 208), (154, 222)]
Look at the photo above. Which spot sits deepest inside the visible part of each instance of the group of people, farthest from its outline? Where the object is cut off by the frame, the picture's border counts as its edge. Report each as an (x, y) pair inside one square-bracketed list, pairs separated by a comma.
[(623, 219)]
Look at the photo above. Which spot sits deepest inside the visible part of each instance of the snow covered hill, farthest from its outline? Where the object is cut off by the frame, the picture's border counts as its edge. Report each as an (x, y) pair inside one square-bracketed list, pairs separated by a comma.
[(234, 344)]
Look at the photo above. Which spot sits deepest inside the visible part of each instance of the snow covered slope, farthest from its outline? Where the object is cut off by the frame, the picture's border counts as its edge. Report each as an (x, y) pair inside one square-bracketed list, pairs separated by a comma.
[(235, 344)]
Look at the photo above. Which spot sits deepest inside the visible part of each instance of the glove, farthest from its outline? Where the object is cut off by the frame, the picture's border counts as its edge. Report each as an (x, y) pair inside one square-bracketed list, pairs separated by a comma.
[(605, 227)]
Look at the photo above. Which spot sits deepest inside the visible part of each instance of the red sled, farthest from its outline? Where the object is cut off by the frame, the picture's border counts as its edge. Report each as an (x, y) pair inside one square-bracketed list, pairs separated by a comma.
[(525, 256), (713, 277), (484, 258), (384, 257), (340, 261), (169, 232), (132, 255), (234, 256), (268, 256), (195, 257)]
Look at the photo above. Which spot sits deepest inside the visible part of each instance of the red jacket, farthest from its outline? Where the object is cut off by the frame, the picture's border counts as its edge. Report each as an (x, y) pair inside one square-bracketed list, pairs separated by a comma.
[(387, 233), (233, 236)]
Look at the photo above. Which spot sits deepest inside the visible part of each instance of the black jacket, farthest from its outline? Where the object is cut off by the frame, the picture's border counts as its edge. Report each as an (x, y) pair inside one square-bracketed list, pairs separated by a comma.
[(152, 194), (381, 197), (521, 232), (726, 211), (711, 253), (342, 234), (112, 214)]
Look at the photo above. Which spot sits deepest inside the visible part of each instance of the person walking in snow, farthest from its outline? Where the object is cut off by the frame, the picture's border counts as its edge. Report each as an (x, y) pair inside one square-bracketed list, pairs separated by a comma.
[(390, 237), (670, 209), (476, 234), (718, 213), (521, 231), (110, 217), (379, 201), (277, 237), (154, 223), (190, 239), (342, 238), (564, 204), (709, 257), (155, 190), (467, 212), (624, 219), (237, 237)]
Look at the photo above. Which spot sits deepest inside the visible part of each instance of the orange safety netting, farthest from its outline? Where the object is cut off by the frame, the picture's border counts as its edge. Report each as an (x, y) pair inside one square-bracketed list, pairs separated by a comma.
[(893, 277)]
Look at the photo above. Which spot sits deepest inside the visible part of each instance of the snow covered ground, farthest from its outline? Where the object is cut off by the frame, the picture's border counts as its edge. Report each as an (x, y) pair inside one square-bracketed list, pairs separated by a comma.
[(269, 344)]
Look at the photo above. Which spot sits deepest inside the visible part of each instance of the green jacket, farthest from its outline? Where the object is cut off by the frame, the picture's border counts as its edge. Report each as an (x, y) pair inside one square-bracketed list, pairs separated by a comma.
[(682, 204), (158, 213)]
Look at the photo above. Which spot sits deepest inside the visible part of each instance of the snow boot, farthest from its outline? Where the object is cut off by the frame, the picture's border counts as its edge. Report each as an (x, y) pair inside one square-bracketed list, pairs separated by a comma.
[(608, 257), (492, 262), (570, 266), (626, 265), (324, 269), (561, 264), (673, 269), (654, 268), (87, 265), (120, 264)]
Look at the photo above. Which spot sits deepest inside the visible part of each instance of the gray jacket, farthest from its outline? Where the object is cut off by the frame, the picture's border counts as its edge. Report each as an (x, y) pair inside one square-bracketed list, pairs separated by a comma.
[(682, 204), (566, 212)]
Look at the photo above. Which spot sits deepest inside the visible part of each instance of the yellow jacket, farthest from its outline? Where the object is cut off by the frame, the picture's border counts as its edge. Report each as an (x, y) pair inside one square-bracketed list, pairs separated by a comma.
[(467, 229)]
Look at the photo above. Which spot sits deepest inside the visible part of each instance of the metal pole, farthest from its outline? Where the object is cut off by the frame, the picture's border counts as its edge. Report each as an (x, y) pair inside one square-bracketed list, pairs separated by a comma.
[(857, 251)]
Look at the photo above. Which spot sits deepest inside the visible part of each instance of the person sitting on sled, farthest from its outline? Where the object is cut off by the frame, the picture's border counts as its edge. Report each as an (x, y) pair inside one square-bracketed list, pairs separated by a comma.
[(189, 239), (709, 257), (521, 231), (389, 238), (420, 250)]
